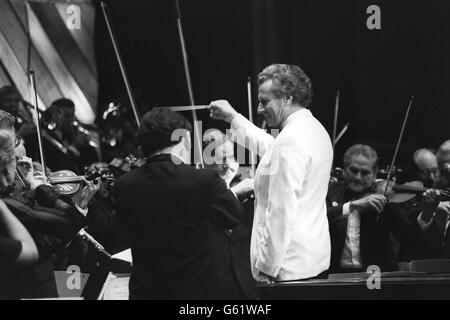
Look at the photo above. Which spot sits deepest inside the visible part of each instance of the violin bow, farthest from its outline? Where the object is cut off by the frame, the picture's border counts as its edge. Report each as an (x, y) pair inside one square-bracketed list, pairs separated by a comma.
[(121, 65), (38, 122), (398, 146), (335, 120), (250, 117), (197, 138)]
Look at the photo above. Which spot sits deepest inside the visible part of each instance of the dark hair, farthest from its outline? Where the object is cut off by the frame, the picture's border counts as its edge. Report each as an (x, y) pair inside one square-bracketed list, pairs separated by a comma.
[(364, 150), (63, 103), (157, 128), (288, 80), (6, 120), (8, 90)]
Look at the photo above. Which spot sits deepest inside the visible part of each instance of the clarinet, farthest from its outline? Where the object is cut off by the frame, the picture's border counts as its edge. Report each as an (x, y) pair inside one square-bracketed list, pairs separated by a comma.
[(90, 239)]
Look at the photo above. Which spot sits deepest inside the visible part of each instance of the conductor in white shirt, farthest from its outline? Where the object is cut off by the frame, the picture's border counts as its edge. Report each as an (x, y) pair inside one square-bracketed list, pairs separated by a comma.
[(290, 237)]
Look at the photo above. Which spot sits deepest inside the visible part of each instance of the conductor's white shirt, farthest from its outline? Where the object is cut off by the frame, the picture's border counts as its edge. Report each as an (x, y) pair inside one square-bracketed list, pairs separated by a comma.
[(290, 237)]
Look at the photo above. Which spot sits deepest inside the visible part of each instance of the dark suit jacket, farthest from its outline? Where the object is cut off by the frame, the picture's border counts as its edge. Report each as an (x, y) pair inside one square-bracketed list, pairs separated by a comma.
[(240, 248), (375, 246), (51, 229), (176, 219)]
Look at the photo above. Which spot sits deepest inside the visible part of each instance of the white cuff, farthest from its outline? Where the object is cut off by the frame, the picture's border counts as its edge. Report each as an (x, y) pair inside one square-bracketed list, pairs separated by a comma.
[(346, 209), (422, 224), (84, 212)]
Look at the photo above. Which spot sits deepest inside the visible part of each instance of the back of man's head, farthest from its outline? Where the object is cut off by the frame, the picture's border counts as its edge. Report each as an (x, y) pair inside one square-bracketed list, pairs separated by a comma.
[(63, 103), (158, 128)]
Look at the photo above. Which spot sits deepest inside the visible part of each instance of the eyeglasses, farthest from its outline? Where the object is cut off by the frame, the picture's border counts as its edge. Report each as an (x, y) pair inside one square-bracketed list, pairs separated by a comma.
[(18, 141)]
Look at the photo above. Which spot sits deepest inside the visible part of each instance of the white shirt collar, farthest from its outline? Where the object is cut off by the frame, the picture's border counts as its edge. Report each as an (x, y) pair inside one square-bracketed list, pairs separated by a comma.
[(301, 113)]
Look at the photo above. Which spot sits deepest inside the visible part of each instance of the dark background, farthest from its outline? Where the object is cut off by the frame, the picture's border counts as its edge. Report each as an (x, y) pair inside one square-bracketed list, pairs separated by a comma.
[(376, 71)]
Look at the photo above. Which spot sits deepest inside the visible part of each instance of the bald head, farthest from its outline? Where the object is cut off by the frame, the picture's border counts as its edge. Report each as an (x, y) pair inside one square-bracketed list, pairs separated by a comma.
[(443, 159), (427, 167)]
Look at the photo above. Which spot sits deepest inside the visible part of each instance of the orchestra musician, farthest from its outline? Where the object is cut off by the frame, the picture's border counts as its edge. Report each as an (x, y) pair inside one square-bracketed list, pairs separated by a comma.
[(426, 168), (358, 240), (51, 221), (12, 102), (439, 220), (59, 123), (176, 217), (290, 238), (219, 155)]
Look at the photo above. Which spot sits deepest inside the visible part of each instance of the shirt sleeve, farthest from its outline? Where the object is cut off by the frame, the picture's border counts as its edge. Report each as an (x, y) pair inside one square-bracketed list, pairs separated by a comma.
[(9, 251), (287, 173), (249, 136)]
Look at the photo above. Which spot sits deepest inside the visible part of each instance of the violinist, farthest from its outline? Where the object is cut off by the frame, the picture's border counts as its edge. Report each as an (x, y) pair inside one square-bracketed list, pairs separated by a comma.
[(175, 217), (439, 220), (51, 221), (75, 153), (219, 155), (426, 168), (357, 239), (12, 102), (102, 224), (443, 159)]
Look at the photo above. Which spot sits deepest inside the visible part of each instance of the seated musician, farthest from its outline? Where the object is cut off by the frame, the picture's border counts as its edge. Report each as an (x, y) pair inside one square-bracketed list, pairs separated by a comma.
[(439, 219), (17, 247), (103, 225), (12, 102), (59, 123), (443, 159), (219, 155), (176, 217), (426, 168), (358, 238), (51, 221)]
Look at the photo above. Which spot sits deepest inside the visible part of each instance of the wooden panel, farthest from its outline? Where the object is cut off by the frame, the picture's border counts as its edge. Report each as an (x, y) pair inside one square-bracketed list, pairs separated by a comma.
[(85, 35), (68, 49), (66, 82), (14, 57), (4, 79), (15, 70)]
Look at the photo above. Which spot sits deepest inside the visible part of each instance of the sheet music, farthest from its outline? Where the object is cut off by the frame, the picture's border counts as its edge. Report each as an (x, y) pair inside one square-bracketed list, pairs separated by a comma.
[(115, 287)]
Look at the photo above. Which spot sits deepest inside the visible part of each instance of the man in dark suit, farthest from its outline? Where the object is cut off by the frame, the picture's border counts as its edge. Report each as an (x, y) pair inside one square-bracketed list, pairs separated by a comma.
[(219, 155), (358, 238), (176, 217)]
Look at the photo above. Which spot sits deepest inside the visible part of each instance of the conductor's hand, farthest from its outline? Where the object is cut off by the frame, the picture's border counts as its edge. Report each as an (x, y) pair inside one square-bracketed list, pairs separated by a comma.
[(222, 110), (370, 203)]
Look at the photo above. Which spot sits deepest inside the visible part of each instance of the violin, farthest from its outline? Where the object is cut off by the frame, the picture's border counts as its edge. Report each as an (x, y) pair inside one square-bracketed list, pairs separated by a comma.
[(64, 182), (407, 191)]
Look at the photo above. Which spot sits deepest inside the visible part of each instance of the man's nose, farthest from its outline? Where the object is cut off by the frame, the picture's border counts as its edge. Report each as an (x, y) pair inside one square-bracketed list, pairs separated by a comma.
[(260, 109), (358, 176)]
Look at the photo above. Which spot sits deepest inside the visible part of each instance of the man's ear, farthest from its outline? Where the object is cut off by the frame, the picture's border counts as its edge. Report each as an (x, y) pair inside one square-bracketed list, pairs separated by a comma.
[(288, 99)]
